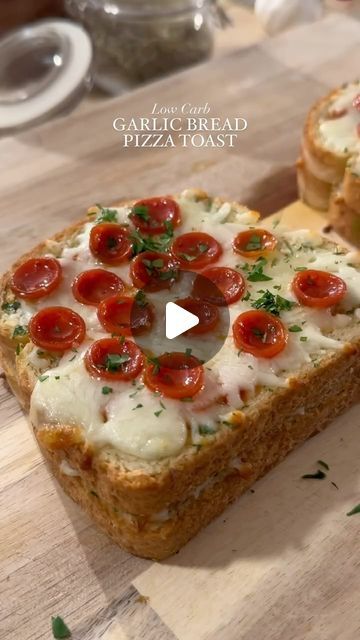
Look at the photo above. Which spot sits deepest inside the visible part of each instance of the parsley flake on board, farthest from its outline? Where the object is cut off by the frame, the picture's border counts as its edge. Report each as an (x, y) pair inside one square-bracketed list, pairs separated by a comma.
[(257, 272), (114, 361), (106, 390), (206, 430), (356, 509), (295, 328), (11, 307), (319, 475), (323, 464), (273, 304), (59, 628), (106, 215), (19, 330), (42, 378)]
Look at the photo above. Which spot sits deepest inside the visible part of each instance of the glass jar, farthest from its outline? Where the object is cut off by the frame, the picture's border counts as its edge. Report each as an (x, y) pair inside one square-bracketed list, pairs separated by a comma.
[(138, 40)]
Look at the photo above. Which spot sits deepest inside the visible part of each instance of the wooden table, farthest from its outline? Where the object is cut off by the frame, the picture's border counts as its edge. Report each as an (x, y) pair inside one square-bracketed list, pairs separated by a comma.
[(283, 562)]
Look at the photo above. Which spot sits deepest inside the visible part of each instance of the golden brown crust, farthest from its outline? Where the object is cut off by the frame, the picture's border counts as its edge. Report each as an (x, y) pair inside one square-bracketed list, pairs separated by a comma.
[(333, 163), (312, 190), (351, 189), (345, 221)]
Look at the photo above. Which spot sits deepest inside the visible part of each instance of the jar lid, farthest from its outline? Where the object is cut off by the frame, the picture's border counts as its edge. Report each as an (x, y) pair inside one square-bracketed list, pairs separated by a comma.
[(44, 67)]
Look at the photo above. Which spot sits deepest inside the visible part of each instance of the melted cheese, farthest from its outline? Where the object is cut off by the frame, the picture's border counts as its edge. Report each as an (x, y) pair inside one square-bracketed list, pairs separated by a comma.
[(131, 418), (341, 134)]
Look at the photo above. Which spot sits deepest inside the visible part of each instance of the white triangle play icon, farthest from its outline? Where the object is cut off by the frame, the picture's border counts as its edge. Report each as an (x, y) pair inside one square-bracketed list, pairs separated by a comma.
[(178, 320)]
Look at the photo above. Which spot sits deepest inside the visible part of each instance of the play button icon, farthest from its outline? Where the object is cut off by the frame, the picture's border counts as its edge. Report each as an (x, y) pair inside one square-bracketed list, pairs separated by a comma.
[(178, 320)]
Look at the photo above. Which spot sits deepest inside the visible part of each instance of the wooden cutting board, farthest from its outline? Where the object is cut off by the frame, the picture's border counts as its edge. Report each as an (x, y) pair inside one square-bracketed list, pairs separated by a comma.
[(280, 564)]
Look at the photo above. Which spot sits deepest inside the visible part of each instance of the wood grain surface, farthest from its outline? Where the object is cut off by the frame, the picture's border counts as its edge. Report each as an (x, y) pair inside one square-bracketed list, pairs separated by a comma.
[(282, 563)]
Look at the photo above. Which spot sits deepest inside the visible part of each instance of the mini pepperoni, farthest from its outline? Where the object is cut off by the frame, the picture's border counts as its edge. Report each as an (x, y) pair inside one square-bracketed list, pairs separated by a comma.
[(259, 333), (125, 316), (176, 375), (36, 278), (93, 286), (219, 285), (110, 243), (114, 359), (196, 250), (318, 288), (254, 243), (154, 215), (57, 329), (207, 313), (153, 271)]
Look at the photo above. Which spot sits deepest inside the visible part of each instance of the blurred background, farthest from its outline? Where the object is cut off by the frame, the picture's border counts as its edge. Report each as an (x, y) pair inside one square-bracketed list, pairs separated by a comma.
[(123, 44)]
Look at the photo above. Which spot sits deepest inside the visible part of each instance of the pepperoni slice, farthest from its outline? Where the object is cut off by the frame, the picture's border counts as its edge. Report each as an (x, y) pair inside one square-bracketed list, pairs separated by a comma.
[(113, 359), (153, 271), (93, 286), (110, 243), (254, 243), (125, 316), (207, 313), (176, 375), (196, 250), (154, 215), (36, 278), (57, 329), (259, 333), (318, 288), (219, 285)]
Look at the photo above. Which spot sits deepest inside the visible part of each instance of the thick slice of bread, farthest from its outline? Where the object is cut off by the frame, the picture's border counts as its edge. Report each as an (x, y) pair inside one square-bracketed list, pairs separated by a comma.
[(330, 158), (153, 506)]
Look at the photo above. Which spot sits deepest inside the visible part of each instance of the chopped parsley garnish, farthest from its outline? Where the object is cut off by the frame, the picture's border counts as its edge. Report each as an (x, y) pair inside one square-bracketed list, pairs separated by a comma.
[(323, 464), (254, 243), (303, 339), (156, 364), (106, 390), (319, 475), (19, 348), (273, 304), (19, 330), (59, 628), (138, 406), (206, 430), (140, 211), (187, 399), (295, 328), (257, 272), (187, 257), (114, 361), (300, 269), (168, 275), (188, 352), (203, 247), (150, 265), (246, 296), (142, 242), (42, 378), (106, 215), (140, 299), (11, 307), (159, 412), (356, 509)]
